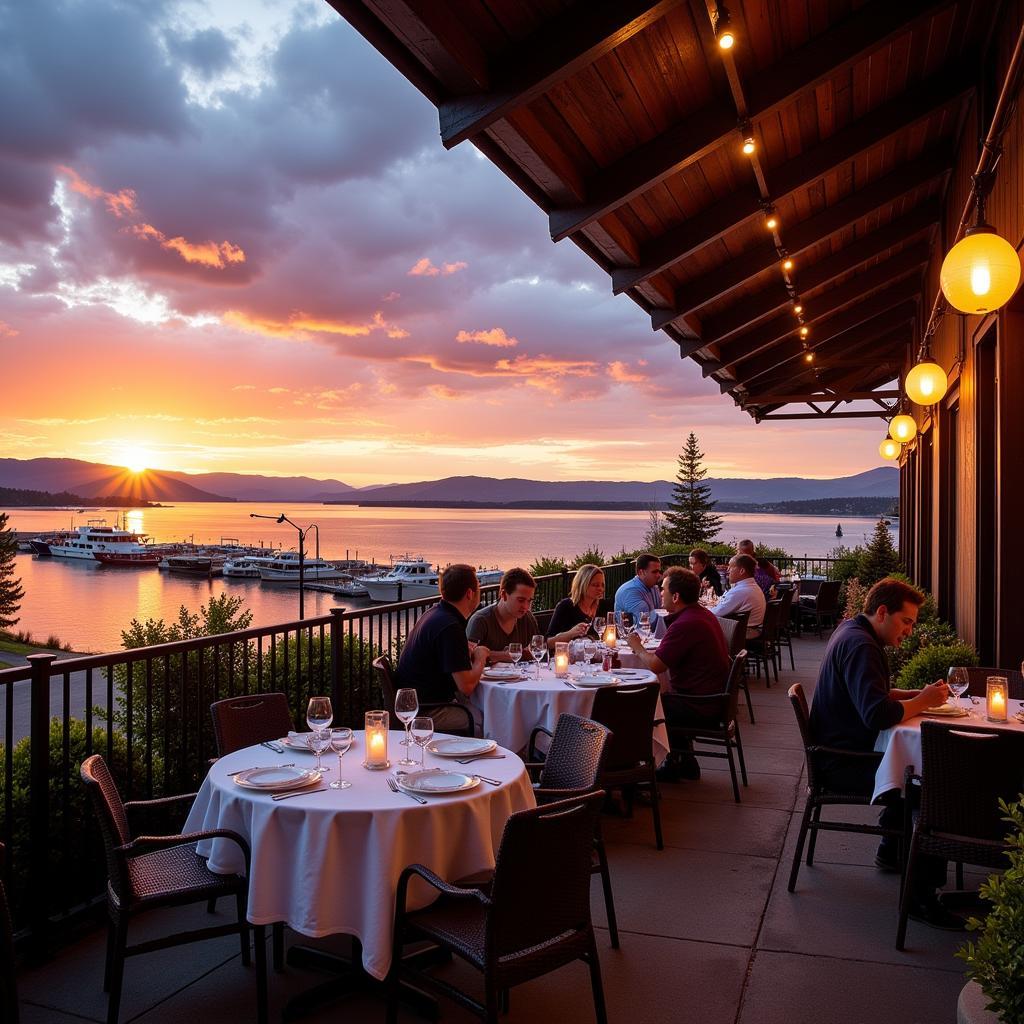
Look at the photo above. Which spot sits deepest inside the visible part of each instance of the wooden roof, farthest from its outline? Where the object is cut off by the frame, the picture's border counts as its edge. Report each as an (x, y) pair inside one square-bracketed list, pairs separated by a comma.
[(624, 121)]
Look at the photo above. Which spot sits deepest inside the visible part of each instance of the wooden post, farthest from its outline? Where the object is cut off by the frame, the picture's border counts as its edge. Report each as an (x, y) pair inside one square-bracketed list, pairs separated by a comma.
[(39, 802), (337, 634)]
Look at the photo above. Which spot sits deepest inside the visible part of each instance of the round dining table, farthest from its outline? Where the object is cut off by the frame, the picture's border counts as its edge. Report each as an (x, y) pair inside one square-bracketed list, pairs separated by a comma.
[(513, 709), (328, 861), (900, 746)]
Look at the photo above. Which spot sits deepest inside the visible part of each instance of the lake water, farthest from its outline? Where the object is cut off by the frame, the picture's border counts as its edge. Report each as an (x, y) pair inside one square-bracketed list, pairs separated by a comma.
[(88, 605)]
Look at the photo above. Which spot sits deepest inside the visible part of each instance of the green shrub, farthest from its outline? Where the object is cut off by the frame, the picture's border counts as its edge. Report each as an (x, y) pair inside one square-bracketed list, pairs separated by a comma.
[(591, 556), (933, 662), (996, 960), (928, 634), (853, 594), (547, 565), (845, 562)]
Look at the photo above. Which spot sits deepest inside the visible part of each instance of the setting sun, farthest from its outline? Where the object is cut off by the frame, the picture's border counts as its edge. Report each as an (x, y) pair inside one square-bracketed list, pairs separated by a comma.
[(137, 460)]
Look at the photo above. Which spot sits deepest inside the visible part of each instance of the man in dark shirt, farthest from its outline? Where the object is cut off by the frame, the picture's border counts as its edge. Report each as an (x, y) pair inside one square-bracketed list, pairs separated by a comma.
[(436, 660), (853, 702), (706, 570), (509, 620), (693, 652)]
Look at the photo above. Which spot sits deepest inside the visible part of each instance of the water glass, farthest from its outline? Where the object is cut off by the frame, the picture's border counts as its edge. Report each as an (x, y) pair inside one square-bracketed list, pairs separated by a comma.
[(407, 704), (422, 733), (538, 649), (643, 627), (590, 648), (341, 740), (319, 713), (515, 652), (319, 741), (958, 680), (600, 621)]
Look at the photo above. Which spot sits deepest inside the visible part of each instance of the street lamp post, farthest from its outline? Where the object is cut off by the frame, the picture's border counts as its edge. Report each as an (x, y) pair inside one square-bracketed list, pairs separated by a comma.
[(282, 518)]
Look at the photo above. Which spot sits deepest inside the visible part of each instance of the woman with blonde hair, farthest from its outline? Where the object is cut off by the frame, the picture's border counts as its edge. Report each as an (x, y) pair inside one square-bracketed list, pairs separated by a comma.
[(573, 615)]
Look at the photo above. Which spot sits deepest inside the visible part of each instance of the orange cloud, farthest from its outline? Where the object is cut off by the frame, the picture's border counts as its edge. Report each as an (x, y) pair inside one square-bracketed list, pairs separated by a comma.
[(120, 204), (540, 368), (6, 330), (207, 254), (301, 327), (496, 336), (620, 372), (424, 268)]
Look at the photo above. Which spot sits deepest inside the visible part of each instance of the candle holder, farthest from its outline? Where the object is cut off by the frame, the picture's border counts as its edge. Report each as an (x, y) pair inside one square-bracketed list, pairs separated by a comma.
[(996, 693), (610, 636), (561, 659), (376, 756)]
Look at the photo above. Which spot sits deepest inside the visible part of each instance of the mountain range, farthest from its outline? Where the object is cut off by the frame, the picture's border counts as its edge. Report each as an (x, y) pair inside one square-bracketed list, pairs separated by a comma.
[(89, 479)]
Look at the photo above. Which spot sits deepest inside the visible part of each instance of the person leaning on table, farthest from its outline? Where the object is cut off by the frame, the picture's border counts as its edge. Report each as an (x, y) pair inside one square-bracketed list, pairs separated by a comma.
[(574, 614), (743, 595), (509, 620), (436, 660), (706, 570), (853, 702)]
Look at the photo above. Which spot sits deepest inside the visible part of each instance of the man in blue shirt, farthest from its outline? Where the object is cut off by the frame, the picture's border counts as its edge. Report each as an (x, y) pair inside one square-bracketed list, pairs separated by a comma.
[(642, 593)]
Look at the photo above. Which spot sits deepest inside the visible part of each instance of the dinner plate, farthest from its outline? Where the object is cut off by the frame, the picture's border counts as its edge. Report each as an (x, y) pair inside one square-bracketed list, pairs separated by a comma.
[(510, 674), (436, 780), (946, 711), (300, 741), (458, 746), (274, 779), (630, 673), (600, 679)]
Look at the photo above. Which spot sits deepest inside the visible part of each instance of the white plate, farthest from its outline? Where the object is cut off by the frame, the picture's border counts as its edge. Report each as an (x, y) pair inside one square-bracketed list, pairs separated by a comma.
[(459, 746), (600, 679), (946, 711), (274, 779), (436, 780), (635, 674), (509, 674), (300, 743)]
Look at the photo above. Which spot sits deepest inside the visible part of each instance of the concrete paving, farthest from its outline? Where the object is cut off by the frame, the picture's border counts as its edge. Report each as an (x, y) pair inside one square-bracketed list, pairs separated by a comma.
[(709, 933)]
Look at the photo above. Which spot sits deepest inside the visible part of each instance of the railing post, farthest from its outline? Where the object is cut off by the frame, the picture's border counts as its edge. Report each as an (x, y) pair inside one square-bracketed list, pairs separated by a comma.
[(565, 582), (39, 802), (398, 595), (337, 646)]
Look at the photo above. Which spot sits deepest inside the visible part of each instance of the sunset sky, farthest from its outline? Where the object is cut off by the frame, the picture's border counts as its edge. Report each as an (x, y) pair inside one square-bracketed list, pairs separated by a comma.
[(230, 239)]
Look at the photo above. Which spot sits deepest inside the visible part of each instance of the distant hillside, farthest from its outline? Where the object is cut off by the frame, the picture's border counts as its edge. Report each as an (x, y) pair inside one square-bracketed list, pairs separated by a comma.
[(11, 497), (252, 487)]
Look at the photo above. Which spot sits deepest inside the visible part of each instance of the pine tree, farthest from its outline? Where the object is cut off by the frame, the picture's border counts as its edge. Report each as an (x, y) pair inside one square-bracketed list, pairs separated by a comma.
[(690, 515), (879, 559), (11, 591)]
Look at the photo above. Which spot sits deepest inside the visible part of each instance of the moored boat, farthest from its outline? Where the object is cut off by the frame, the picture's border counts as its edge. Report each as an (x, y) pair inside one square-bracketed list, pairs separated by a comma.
[(128, 559), (285, 569), (413, 578), (87, 541), (196, 565)]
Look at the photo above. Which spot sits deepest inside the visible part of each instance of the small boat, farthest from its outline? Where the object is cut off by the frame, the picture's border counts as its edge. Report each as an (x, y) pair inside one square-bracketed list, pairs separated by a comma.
[(285, 569), (196, 565), (839, 530), (247, 566), (129, 559), (411, 579)]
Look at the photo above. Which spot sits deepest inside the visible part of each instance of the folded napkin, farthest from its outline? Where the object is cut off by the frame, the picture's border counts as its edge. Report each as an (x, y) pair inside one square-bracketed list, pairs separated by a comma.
[(299, 737)]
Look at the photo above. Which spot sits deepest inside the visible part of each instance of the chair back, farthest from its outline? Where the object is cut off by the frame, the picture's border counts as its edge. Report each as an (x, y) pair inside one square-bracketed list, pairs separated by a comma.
[(732, 685), (576, 755), (786, 594), (770, 623), (978, 677), (628, 713), (739, 634), (531, 907), (254, 718), (543, 620), (965, 771), (798, 699), (728, 629), (8, 982), (112, 819), (828, 597), (386, 678), (810, 588)]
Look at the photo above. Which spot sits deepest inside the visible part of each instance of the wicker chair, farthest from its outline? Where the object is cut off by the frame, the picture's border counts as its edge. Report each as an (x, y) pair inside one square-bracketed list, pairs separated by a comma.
[(528, 924), (8, 981), (965, 772), (386, 677), (161, 871), (819, 795), (736, 641), (247, 720), (764, 649), (722, 729), (979, 679), (822, 606)]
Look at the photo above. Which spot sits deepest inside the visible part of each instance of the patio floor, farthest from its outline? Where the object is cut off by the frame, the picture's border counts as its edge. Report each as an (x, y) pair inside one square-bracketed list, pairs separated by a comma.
[(709, 933)]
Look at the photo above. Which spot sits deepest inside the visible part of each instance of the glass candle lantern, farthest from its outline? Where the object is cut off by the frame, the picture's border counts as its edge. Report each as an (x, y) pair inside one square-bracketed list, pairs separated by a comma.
[(995, 703), (376, 739), (561, 659), (610, 636)]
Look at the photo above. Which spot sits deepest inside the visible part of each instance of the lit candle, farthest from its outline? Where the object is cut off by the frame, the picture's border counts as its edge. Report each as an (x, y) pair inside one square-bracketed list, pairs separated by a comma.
[(610, 636), (376, 740), (996, 704), (561, 659)]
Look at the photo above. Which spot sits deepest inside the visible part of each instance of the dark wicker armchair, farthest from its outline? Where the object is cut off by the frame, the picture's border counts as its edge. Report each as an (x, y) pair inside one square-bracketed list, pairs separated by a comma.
[(785, 637), (736, 641), (764, 649), (718, 726), (244, 721), (822, 606), (819, 794), (147, 872), (8, 982), (386, 678), (965, 772), (526, 925)]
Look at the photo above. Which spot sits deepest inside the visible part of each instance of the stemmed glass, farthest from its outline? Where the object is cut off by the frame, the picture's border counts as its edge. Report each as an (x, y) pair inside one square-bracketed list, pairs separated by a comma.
[(958, 680), (589, 650), (407, 704), (341, 740), (319, 716), (515, 652), (422, 732), (599, 623), (538, 648), (643, 627)]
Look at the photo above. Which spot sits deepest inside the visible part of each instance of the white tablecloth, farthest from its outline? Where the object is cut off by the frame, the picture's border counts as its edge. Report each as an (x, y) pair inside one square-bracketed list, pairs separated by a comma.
[(329, 862), (512, 711), (901, 745)]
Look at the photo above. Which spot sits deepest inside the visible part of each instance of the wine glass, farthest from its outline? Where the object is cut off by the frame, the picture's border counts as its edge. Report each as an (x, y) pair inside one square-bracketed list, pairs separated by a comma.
[(319, 741), (643, 627), (407, 704), (538, 648), (598, 624), (515, 652), (589, 650), (341, 740), (319, 716), (422, 732), (958, 680)]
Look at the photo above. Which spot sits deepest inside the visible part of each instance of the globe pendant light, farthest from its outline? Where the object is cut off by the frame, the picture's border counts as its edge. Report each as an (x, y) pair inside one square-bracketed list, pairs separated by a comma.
[(926, 383), (902, 428), (889, 449), (981, 272)]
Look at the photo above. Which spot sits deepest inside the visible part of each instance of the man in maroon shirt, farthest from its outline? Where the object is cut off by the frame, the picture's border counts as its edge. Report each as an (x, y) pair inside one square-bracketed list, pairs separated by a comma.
[(693, 651)]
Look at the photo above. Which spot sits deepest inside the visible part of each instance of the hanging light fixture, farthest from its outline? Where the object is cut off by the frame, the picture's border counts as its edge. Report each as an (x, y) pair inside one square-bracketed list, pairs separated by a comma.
[(747, 130), (723, 28), (787, 264), (926, 383), (889, 449), (902, 428), (771, 222), (798, 307), (804, 331), (981, 272)]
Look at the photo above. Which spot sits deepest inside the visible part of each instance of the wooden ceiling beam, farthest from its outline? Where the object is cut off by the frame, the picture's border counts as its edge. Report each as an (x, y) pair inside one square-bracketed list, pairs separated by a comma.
[(822, 396), (846, 414), (713, 223), (875, 25), (769, 300), (807, 234), (856, 289), (561, 48)]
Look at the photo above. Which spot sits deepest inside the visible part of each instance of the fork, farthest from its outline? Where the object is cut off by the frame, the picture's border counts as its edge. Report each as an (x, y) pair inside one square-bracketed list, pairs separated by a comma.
[(271, 745), (484, 778), (572, 686), (395, 788), (479, 757), (300, 792), (238, 771)]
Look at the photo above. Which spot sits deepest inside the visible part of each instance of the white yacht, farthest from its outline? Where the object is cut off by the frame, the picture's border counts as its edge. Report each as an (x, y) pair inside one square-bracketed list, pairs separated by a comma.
[(248, 566), (86, 541), (418, 579), (285, 569)]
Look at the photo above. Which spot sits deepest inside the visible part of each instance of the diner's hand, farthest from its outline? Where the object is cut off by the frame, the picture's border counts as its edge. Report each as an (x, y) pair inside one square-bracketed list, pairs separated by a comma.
[(480, 656), (580, 629), (936, 693), (635, 643)]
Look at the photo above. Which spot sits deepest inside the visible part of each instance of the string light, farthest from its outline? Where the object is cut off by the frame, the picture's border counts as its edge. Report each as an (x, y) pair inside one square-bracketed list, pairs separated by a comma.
[(771, 222), (787, 264), (798, 308), (804, 331), (902, 428), (889, 449), (723, 28)]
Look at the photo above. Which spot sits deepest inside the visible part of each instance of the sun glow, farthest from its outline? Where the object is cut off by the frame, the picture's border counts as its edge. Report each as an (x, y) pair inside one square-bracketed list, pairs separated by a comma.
[(137, 460)]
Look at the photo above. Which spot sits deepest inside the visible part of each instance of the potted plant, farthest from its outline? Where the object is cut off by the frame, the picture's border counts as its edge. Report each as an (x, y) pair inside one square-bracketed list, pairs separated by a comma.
[(995, 963)]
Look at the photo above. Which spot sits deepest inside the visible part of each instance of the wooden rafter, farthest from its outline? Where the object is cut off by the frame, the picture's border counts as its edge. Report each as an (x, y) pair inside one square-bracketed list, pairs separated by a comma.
[(823, 396)]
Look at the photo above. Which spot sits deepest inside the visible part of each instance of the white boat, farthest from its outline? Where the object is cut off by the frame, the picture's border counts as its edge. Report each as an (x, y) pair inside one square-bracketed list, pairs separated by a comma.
[(412, 579), (85, 541), (285, 569), (247, 566)]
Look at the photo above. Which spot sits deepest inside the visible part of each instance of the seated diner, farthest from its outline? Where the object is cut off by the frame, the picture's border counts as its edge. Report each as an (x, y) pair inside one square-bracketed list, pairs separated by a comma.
[(509, 620), (743, 595), (574, 615)]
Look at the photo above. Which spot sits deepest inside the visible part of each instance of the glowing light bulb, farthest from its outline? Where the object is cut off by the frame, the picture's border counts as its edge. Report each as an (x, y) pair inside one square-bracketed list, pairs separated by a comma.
[(889, 449), (748, 145), (787, 264), (809, 357), (981, 272), (726, 39), (772, 222), (902, 428), (804, 332), (926, 383), (981, 280), (798, 309)]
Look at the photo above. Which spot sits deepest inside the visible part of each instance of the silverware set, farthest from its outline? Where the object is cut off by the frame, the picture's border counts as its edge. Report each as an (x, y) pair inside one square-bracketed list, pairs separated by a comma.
[(238, 771), (277, 748), (299, 792), (395, 788), (479, 757)]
